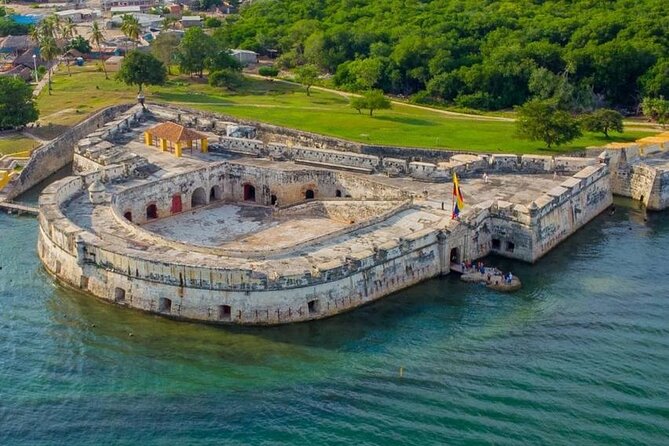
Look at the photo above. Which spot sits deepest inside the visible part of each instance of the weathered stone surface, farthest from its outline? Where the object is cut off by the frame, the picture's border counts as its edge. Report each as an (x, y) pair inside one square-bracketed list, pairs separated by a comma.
[(258, 238)]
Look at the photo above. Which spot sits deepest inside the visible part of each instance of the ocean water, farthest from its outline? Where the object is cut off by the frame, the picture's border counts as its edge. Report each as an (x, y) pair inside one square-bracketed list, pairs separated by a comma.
[(580, 356)]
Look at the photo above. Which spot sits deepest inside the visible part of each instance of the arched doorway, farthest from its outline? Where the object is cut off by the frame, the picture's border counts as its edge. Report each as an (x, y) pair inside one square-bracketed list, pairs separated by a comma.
[(249, 192), (309, 194), (151, 212), (128, 215), (273, 200), (337, 193), (199, 198), (455, 255), (215, 193)]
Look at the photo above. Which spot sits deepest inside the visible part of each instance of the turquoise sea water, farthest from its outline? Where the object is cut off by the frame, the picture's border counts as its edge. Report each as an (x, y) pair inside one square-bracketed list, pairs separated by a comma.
[(580, 356)]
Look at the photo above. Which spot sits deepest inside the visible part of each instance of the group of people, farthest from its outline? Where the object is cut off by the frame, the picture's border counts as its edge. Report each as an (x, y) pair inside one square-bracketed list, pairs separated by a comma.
[(491, 274)]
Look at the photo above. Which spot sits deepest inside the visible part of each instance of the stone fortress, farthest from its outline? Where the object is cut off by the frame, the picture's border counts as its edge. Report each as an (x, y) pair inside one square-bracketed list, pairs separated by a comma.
[(260, 225)]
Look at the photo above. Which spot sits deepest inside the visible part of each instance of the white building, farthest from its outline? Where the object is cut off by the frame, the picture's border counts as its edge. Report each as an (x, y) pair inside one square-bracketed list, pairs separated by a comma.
[(79, 15), (144, 5), (245, 57)]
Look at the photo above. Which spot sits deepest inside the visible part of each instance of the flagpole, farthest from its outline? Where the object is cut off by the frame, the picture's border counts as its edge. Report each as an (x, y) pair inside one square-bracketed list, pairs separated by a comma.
[(452, 193)]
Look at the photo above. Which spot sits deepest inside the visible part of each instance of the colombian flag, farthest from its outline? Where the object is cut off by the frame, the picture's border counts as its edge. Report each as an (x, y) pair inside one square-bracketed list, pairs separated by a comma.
[(458, 200)]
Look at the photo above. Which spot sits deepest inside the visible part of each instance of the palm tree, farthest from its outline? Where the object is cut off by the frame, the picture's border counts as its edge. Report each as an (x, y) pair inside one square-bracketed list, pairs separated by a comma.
[(131, 28), (67, 32), (49, 51), (97, 38), (169, 22)]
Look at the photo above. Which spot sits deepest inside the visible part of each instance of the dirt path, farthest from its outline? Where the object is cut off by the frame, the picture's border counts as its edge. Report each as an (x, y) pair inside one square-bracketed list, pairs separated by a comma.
[(420, 107)]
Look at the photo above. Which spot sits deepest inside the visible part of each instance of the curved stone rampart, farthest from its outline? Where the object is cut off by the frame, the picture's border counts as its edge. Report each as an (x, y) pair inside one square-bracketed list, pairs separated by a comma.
[(92, 236)]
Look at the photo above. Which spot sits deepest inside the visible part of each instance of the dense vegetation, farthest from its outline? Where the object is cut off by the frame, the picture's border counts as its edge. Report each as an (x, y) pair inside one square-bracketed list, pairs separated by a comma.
[(17, 107), (8, 26), (489, 54)]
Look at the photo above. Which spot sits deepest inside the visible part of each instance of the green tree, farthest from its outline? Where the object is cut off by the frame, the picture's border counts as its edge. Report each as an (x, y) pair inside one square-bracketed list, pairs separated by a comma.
[(307, 75), (131, 28), (17, 106), (545, 85), (221, 59), (140, 69), (603, 121), (80, 44), (375, 100), (655, 82), (97, 37), (358, 103), (227, 78), (49, 51), (543, 121), (371, 100), (194, 50), (657, 109), (165, 49), (367, 72), (212, 22)]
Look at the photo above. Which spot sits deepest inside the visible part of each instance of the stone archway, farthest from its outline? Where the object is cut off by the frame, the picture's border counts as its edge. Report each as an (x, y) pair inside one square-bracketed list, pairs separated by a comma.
[(455, 256), (309, 194), (215, 193), (199, 198), (151, 211), (249, 192)]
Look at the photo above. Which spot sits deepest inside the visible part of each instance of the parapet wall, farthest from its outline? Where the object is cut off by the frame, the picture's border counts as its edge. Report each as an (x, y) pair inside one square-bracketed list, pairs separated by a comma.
[(59, 153), (527, 233), (425, 164)]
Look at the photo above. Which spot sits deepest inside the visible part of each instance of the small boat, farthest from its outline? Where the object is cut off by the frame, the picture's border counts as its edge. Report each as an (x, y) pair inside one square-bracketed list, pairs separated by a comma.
[(492, 278)]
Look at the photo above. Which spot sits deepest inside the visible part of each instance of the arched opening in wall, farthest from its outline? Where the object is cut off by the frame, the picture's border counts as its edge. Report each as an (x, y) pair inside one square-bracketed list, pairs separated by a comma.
[(249, 192), (164, 305), (199, 198), (119, 295), (455, 255), (177, 205), (496, 244), (128, 215), (510, 246), (224, 312), (215, 193), (338, 193), (273, 200), (151, 212), (309, 194)]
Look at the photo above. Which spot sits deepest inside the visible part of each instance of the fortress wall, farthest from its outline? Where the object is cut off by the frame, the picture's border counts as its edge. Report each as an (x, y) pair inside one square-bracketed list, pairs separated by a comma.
[(565, 164), (641, 184), (659, 196), (583, 197), (82, 164), (197, 293), (527, 234), (58, 153)]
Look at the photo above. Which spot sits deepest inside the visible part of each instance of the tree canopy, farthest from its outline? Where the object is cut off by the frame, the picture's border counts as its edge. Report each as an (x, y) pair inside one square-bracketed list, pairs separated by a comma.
[(484, 54), (544, 121), (139, 68), (17, 107)]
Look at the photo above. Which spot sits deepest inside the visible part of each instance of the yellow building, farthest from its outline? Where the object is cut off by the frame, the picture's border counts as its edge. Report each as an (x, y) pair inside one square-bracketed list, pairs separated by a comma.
[(173, 137)]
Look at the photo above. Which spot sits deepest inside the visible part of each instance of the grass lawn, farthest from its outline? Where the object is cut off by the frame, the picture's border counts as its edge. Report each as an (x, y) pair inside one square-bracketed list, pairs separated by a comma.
[(15, 143), (76, 96)]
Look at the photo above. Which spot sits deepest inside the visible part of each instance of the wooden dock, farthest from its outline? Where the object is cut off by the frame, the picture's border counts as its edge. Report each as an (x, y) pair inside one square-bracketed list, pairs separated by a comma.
[(18, 208)]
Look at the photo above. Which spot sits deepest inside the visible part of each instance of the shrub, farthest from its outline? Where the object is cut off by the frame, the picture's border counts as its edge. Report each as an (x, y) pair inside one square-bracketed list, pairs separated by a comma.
[(227, 78), (268, 71), (212, 22)]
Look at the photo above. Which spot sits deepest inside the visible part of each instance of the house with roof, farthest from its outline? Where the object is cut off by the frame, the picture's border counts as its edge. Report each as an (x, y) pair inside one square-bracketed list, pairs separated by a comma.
[(17, 45)]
